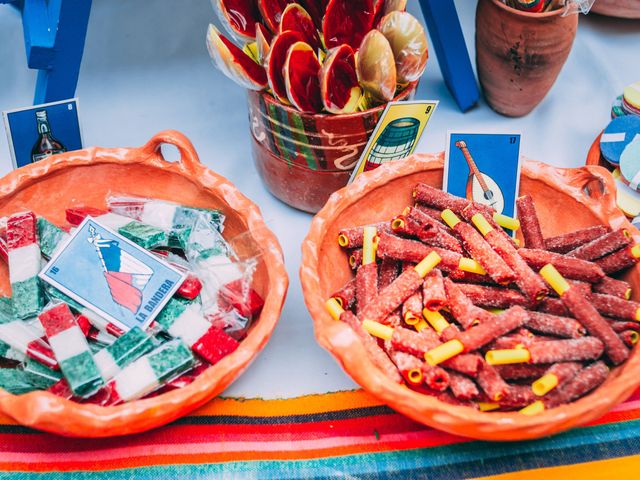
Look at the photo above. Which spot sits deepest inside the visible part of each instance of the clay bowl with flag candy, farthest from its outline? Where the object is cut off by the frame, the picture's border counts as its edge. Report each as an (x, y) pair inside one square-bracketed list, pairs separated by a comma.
[(87, 178), (567, 199)]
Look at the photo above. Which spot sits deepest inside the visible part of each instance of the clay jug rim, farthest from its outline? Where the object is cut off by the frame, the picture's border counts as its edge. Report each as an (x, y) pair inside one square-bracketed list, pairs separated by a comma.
[(411, 87), (522, 13)]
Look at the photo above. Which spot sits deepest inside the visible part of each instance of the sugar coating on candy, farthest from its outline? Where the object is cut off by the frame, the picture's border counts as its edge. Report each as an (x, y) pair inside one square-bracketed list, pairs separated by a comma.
[(575, 349), (570, 267), (555, 325), (71, 349), (15, 382), (76, 215), (569, 241), (27, 298), (183, 321), (39, 375), (50, 237), (586, 314), (96, 320), (529, 224), (170, 361), (366, 284), (215, 345), (124, 350), (143, 235), (24, 264), (482, 252), (6, 351)]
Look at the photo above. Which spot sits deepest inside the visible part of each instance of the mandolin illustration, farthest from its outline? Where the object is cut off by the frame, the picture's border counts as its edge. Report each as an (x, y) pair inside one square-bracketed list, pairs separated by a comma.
[(481, 188)]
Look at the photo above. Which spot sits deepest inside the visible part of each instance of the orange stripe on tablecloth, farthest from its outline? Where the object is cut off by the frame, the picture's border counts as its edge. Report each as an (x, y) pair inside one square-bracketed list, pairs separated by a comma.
[(624, 467), (319, 403)]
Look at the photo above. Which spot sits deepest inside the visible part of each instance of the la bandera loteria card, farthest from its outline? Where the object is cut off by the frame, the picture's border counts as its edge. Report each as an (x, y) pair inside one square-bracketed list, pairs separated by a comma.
[(108, 273)]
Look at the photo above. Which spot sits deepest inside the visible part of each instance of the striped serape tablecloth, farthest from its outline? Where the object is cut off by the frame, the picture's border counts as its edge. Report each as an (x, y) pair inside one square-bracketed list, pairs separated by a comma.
[(335, 435)]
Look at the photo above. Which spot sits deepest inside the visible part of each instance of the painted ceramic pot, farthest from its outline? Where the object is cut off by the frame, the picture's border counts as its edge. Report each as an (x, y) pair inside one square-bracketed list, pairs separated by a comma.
[(574, 198), (303, 158), (88, 177), (617, 8), (519, 54)]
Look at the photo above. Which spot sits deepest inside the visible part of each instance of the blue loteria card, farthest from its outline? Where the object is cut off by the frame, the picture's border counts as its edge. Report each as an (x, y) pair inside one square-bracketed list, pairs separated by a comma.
[(111, 275), (485, 168), (34, 133)]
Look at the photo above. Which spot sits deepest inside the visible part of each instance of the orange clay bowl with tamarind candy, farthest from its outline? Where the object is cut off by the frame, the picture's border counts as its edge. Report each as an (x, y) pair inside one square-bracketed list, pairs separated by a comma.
[(566, 200)]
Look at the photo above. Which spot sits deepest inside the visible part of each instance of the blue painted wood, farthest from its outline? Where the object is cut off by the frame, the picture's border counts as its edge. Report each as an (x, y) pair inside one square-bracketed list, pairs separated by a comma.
[(39, 39), (448, 42), (60, 81), (54, 36)]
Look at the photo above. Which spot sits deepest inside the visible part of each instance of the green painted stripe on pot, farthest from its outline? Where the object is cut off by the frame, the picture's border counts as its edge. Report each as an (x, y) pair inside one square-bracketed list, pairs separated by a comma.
[(302, 140)]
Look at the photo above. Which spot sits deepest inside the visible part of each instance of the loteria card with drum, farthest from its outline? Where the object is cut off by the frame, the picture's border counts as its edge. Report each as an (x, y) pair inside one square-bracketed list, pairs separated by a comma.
[(484, 167), (396, 135), (112, 275)]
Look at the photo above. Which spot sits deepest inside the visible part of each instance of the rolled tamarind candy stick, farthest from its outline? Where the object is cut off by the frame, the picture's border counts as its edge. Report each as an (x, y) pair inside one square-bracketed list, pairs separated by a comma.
[(529, 223), (367, 274), (479, 249), (583, 311), (378, 355), (569, 267), (613, 286), (570, 241), (527, 280), (353, 237), (434, 296), (391, 297), (624, 258), (602, 246)]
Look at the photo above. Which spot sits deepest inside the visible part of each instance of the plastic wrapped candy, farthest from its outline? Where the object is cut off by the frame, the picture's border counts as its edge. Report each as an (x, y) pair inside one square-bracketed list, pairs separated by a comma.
[(170, 217), (187, 323), (123, 351), (71, 350), (150, 372), (218, 267), (24, 338), (50, 237), (24, 264)]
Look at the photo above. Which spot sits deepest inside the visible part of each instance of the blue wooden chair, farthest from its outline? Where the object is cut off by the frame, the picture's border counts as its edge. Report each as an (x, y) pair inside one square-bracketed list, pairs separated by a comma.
[(54, 35)]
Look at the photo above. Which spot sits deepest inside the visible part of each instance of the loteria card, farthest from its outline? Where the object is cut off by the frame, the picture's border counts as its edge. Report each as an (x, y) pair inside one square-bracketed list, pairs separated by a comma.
[(34, 133), (485, 168), (113, 276), (396, 135)]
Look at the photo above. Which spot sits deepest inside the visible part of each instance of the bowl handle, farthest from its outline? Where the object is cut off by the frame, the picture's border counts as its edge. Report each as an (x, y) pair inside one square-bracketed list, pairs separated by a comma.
[(188, 157), (594, 181)]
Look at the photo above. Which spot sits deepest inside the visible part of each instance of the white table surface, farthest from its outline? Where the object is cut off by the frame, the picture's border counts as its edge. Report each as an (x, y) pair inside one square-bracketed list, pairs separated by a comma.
[(146, 69)]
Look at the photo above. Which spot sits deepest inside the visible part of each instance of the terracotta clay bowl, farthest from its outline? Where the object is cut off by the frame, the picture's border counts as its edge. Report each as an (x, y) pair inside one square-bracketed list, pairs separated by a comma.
[(594, 157), (87, 177), (571, 198)]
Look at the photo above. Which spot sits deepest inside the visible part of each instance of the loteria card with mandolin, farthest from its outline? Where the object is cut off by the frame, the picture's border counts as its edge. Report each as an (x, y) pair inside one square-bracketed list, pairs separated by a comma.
[(484, 167)]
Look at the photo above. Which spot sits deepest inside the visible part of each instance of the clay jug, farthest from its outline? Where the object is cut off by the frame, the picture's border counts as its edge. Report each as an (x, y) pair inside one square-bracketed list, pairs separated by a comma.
[(519, 54)]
